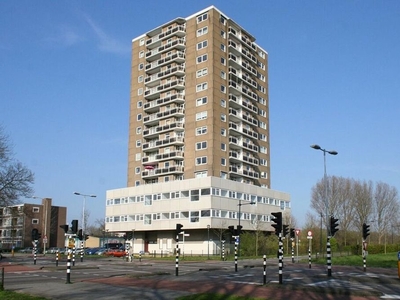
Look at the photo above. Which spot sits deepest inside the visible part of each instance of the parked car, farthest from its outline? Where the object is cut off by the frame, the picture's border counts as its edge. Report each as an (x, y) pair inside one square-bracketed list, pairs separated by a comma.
[(101, 251), (91, 251), (115, 252), (53, 250), (26, 250)]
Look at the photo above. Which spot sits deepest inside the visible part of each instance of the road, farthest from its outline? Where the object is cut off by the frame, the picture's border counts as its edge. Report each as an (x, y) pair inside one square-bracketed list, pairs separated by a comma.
[(153, 279)]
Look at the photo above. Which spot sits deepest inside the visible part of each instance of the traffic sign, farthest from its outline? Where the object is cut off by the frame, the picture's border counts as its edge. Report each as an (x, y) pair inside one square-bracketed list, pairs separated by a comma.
[(45, 239), (297, 231), (309, 233)]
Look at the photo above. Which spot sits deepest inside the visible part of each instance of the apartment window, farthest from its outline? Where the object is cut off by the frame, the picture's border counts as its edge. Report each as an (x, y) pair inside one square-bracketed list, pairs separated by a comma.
[(201, 101), (223, 131), (263, 137), (138, 156), (223, 162), (141, 42), (263, 150), (262, 112), (138, 143), (137, 170), (263, 162), (201, 116), (202, 58), (138, 130), (140, 91), (141, 54), (224, 175), (223, 34), (223, 75), (201, 145), (202, 45), (137, 183), (201, 160), (201, 73), (201, 87), (139, 104), (140, 78), (139, 117), (166, 179), (202, 31), (223, 146), (223, 117), (223, 89), (262, 125), (223, 103), (223, 61), (200, 174), (201, 130), (223, 47), (202, 18), (223, 20), (35, 221), (141, 66), (35, 209)]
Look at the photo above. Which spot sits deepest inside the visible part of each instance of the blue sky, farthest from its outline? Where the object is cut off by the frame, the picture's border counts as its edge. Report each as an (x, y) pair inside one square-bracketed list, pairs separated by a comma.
[(333, 80)]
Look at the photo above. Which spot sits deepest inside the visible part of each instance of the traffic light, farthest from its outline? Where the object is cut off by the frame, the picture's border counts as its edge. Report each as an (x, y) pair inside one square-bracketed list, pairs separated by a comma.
[(65, 227), (292, 233), (80, 235), (285, 230), (178, 228), (239, 229), (86, 236), (365, 231), (74, 226), (125, 237), (278, 222), (232, 229), (35, 234), (39, 235), (334, 225), (129, 235)]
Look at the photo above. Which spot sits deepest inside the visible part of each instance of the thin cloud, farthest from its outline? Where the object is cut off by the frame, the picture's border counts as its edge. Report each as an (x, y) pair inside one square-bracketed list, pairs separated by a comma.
[(106, 42), (65, 37)]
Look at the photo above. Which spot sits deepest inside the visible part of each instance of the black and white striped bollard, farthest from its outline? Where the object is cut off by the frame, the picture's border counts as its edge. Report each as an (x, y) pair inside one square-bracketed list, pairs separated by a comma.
[(73, 256), (69, 267), (82, 251), (265, 269), (34, 252), (57, 257), (280, 259), (328, 256), (177, 256), (236, 257), (309, 258), (223, 250)]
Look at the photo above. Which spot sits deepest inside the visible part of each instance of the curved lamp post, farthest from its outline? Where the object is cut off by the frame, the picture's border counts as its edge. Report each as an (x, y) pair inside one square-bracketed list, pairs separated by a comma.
[(83, 212)]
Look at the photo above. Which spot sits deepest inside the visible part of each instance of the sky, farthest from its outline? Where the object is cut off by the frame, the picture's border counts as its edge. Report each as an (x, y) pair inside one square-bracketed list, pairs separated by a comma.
[(334, 80)]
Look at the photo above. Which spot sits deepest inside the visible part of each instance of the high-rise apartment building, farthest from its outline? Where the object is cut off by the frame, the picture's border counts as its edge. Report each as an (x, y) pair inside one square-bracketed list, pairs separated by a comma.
[(198, 134)]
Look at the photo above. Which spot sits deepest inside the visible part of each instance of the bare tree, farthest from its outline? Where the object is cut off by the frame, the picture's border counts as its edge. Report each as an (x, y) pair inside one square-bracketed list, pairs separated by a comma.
[(386, 208), (15, 179), (363, 208)]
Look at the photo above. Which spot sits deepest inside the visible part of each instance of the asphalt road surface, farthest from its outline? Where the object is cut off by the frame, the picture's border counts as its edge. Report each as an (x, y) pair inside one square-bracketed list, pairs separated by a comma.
[(110, 278)]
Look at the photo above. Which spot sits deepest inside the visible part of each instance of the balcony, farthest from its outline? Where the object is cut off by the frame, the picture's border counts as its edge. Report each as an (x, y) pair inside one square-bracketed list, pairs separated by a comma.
[(238, 143), (155, 159), (153, 106), (238, 115), (154, 118), (154, 131), (154, 67), (156, 53), (178, 30), (238, 157), (175, 169), (155, 144), (178, 84), (238, 101), (155, 79), (246, 131), (239, 170)]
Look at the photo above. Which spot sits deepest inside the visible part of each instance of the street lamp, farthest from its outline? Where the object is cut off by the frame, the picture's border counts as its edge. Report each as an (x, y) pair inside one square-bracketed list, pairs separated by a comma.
[(239, 216), (45, 212), (208, 241), (83, 214), (332, 152)]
